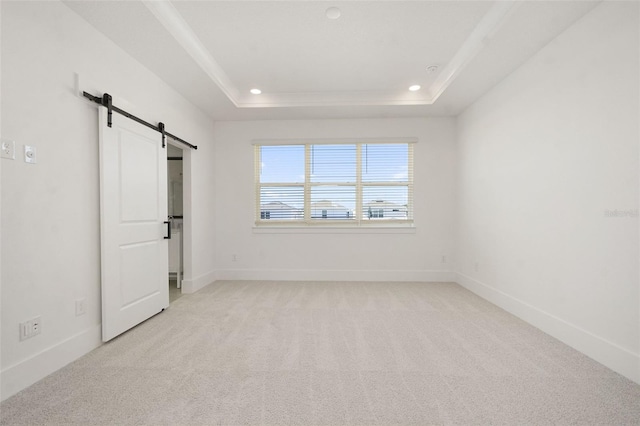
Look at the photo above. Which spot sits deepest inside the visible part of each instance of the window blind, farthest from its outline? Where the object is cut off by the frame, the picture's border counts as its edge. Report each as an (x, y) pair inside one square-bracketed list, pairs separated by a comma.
[(334, 183)]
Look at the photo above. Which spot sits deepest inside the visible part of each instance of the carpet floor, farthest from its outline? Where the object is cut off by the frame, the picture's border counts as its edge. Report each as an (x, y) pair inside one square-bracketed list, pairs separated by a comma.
[(330, 353)]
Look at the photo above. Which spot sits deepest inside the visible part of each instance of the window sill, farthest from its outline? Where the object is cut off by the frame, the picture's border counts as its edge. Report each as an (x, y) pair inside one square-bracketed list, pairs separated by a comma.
[(276, 229)]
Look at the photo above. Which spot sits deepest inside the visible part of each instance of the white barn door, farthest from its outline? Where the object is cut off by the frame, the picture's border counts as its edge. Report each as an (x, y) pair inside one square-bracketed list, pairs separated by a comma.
[(133, 211)]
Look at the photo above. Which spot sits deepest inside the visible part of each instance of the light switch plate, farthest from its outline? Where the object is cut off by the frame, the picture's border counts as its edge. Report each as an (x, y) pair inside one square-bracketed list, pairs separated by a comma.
[(8, 149), (30, 154)]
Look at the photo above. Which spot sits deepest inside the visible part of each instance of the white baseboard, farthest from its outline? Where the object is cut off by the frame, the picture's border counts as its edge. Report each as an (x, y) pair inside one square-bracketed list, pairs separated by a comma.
[(19, 376), (195, 284), (335, 275), (605, 352)]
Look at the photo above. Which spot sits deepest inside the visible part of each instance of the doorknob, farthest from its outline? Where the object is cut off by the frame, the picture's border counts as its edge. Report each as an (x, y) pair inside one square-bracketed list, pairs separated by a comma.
[(168, 230)]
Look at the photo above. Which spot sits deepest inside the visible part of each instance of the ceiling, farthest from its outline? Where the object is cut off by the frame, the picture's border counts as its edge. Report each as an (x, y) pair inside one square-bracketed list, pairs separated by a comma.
[(308, 65)]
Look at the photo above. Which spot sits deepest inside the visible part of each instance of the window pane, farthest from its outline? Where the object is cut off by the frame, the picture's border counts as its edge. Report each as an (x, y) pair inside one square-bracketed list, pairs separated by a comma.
[(332, 202), (318, 182), (282, 202), (385, 202), (332, 163), (282, 164), (385, 162)]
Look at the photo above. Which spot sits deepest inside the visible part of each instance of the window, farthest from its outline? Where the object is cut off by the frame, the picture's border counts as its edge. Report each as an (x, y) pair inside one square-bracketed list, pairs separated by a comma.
[(376, 213), (356, 184)]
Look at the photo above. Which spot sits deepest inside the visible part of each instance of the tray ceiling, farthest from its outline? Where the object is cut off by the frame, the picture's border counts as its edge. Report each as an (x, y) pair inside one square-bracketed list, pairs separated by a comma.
[(308, 65)]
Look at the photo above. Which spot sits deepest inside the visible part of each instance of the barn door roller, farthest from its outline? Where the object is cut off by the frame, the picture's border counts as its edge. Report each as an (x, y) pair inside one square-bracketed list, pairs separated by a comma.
[(107, 101)]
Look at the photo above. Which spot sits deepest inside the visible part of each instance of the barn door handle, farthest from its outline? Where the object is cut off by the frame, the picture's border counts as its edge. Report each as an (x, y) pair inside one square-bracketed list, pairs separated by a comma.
[(168, 230)]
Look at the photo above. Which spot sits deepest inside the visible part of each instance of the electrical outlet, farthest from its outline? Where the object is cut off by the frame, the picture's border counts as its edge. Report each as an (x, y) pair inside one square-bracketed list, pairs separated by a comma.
[(30, 328), (30, 154), (81, 307), (234, 257), (8, 149)]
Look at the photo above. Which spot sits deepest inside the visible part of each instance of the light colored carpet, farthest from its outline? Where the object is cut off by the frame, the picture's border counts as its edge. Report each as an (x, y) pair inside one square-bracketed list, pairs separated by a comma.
[(330, 353)]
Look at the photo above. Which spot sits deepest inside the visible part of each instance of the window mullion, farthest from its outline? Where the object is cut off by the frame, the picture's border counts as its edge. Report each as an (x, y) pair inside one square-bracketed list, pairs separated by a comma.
[(358, 212)]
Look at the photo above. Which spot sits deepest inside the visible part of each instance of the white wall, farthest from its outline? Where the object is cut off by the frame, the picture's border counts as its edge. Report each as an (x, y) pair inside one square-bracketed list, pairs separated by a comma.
[(335, 256), (1, 200), (542, 158), (50, 210)]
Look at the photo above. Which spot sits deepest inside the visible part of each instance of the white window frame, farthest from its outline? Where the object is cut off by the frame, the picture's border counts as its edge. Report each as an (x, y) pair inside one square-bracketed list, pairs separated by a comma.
[(357, 221)]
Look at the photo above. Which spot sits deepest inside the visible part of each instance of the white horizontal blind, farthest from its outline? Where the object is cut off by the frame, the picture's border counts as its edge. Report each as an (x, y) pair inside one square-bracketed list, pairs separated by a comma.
[(334, 184)]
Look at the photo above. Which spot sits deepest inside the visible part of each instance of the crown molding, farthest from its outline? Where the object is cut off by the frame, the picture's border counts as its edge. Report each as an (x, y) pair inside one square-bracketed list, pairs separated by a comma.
[(477, 40), (174, 23), (346, 98)]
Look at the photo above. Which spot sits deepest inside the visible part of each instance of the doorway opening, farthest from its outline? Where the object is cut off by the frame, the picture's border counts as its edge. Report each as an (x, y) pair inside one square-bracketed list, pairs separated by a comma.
[(175, 199)]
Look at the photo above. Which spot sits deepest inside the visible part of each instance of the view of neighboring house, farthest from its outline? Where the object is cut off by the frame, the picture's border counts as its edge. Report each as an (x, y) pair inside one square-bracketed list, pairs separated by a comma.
[(326, 209), (381, 209), (279, 211)]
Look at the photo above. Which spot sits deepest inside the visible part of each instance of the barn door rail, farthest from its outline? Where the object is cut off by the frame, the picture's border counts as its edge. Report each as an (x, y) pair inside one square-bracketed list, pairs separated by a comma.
[(107, 101)]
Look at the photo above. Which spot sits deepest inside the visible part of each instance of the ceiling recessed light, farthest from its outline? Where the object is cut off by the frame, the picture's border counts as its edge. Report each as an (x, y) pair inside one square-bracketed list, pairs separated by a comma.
[(432, 69), (256, 91), (333, 13), (414, 88)]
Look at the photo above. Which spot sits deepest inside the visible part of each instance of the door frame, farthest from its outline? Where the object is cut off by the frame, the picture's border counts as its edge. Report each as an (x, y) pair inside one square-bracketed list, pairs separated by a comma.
[(187, 227)]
